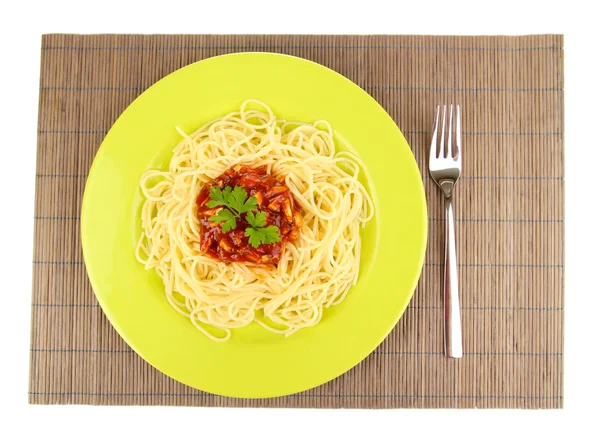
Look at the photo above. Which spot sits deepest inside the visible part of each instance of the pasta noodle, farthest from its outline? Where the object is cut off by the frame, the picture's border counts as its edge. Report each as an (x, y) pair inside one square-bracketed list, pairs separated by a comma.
[(315, 271)]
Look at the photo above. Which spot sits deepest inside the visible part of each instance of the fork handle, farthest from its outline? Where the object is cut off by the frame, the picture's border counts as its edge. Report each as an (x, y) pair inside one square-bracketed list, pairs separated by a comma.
[(452, 325)]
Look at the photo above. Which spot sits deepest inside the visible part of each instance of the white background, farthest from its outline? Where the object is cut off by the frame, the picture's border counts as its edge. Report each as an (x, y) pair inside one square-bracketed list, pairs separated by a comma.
[(21, 28)]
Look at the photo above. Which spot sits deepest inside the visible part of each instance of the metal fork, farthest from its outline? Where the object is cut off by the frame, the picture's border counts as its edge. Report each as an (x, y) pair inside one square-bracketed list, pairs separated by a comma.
[(444, 167)]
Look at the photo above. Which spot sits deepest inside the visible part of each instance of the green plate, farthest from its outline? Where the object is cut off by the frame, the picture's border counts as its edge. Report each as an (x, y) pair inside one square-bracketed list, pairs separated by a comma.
[(254, 363)]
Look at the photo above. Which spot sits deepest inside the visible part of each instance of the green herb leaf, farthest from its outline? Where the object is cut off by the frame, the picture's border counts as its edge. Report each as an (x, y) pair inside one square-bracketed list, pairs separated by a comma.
[(253, 237), (258, 236), (236, 203), (236, 199), (219, 197), (214, 203), (258, 220), (270, 234), (250, 205), (226, 217)]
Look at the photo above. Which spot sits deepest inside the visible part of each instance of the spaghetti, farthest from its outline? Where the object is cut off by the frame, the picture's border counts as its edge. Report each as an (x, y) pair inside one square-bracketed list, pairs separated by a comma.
[(314, 271)]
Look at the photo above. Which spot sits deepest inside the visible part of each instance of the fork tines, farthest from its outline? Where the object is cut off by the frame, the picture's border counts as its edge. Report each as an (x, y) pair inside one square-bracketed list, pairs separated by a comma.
[(448, 145)]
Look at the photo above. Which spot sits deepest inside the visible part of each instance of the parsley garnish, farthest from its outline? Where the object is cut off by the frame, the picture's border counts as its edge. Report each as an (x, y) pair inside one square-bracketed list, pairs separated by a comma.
[(258, 234), (227, 218), (258, 220), (218, 197), (236, 203), (233, 199)]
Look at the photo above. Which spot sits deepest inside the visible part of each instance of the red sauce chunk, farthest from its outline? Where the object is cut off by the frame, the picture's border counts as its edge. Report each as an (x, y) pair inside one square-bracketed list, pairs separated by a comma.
[(273, 198)]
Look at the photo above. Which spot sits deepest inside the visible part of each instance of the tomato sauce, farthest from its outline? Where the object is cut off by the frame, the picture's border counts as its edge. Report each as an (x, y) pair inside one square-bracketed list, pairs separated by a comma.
[(273, 198)]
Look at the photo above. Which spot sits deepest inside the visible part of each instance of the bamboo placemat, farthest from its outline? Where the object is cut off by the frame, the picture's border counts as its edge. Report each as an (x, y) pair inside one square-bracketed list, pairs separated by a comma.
[(509, 207)]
